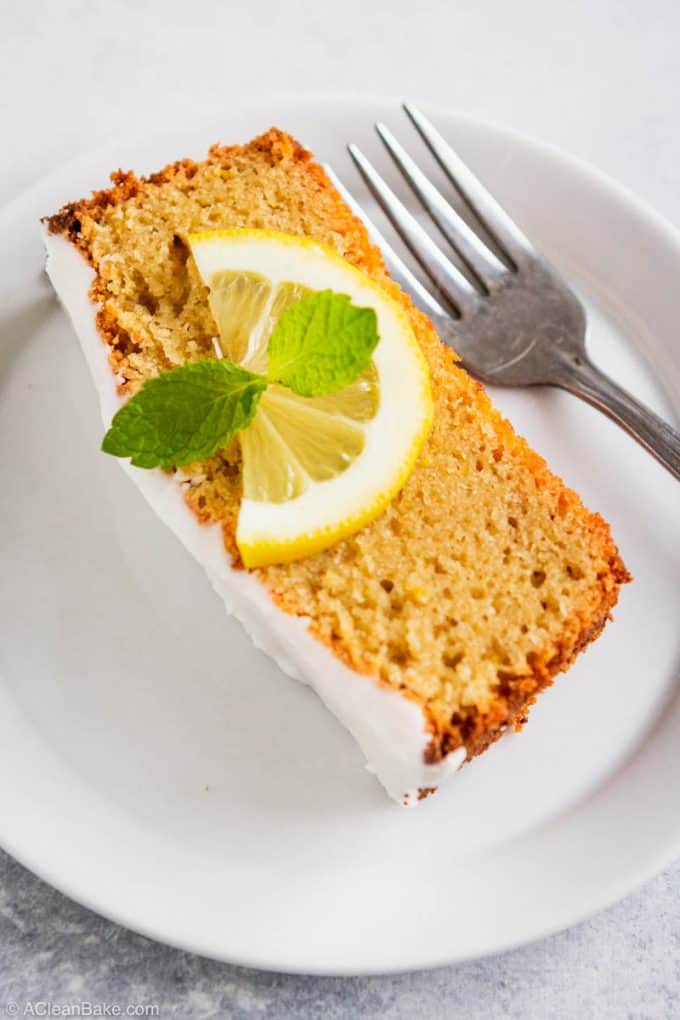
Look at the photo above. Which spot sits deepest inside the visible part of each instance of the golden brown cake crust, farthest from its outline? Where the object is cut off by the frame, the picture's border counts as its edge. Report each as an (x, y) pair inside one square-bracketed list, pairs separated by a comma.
[(484, 578)]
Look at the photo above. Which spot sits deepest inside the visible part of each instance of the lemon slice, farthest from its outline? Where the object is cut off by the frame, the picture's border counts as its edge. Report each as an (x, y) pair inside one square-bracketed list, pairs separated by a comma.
[(315, 469)]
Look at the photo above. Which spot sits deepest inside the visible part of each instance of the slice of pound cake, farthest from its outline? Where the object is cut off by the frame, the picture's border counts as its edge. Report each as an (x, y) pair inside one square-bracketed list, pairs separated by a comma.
[(432, 628)]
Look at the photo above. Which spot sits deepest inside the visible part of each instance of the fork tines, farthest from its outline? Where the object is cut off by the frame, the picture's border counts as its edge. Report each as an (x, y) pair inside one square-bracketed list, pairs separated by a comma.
[(484, 265)]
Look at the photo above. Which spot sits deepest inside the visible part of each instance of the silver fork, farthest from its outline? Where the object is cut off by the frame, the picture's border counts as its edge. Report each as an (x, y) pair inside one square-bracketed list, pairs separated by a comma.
[(518, 324)]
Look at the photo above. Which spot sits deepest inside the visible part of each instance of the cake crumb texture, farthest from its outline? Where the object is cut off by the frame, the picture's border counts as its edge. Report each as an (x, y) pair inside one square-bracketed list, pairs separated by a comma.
[(484, 577)]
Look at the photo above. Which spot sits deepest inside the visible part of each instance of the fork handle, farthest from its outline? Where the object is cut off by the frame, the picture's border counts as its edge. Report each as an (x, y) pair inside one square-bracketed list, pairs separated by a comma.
[(582, 378)]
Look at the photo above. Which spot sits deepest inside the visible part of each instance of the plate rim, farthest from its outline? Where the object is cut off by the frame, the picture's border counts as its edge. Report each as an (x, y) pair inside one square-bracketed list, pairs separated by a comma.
[(668, 234)]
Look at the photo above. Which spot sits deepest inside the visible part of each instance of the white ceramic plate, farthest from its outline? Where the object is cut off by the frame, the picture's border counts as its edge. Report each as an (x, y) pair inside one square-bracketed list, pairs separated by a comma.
[(158, 769)]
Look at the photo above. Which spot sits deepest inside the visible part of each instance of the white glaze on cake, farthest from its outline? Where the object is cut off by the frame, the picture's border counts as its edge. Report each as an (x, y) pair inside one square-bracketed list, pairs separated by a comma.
[(389, 729)]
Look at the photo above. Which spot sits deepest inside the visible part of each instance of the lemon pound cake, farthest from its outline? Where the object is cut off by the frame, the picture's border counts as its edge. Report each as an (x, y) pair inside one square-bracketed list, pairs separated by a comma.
[(372, 520)]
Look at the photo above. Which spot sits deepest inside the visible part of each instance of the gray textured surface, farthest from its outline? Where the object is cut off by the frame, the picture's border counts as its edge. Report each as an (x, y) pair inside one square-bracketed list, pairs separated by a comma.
[(601, 79), (623, 964)]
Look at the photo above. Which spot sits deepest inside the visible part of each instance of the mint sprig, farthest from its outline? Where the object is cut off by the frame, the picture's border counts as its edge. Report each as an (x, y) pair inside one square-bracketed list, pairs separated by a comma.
[(184, 414), (320, 344)]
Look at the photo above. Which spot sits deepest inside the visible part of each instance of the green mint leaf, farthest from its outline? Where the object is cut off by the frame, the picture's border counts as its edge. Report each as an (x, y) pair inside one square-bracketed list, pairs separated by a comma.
[(185, 414), (321, 344)]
